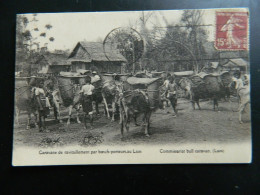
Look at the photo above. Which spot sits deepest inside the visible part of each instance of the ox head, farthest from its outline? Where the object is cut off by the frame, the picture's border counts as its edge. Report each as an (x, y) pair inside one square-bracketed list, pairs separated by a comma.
[(160, 103), (185, 84)]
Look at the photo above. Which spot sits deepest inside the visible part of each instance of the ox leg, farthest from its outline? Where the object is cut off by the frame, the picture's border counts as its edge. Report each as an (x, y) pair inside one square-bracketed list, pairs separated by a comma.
[(228, 94), (198, 103), (164, 105), (105, 111), (240, 111), (106, 106), (91, 120), (40, 121), (58, 111), (195, 100), (241, 108), (127, 121), (43, 124), (121, 115), (85, 120), (36, 119), (122, 127), (78, 121), (97, 109), (114, 110), (167, 103), (193, 104), (122, 120), (147, 123), (215, 103), (56, 108), (135, 119), (28, 121), (55, 112), (70, 110)]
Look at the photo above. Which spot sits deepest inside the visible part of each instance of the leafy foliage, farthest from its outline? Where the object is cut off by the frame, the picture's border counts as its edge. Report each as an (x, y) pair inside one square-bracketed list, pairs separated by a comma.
[(48, 26), (43, 34), (177, 47), (27, 35), (26, 40)]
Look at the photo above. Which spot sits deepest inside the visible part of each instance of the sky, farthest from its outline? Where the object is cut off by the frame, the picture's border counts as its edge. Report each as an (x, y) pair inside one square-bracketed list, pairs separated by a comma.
[(70, 28)]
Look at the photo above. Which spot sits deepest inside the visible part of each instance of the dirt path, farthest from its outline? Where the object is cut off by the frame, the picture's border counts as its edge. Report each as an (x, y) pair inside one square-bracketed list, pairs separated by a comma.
[(190, 126)]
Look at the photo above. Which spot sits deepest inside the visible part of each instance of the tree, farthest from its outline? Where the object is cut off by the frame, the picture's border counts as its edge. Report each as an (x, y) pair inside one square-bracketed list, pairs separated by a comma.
[(128, 42), (26, 40), (192, 19)]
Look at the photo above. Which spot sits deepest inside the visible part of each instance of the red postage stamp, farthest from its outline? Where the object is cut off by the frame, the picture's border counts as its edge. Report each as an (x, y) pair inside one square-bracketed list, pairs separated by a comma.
[(231, 31)]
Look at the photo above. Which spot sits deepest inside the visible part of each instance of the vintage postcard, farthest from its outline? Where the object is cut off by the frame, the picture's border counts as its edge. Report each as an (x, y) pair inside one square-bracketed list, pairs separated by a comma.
[(139, 87)]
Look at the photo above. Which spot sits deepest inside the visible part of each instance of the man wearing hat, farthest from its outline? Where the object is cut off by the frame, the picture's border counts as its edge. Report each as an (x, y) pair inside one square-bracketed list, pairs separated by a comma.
[(172, 94), (96, 77)]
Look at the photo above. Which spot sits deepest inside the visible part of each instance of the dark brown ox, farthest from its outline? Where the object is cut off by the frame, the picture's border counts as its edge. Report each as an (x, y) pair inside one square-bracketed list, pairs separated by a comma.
[(138, 96), (197, 88), (24, 99)]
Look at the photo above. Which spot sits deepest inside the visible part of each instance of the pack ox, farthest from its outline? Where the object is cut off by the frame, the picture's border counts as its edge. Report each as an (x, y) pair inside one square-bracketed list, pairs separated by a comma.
[(111, 86), (65, 90), (24, 100), (29, 98), (138, 96), (68, 94), (203, 86)]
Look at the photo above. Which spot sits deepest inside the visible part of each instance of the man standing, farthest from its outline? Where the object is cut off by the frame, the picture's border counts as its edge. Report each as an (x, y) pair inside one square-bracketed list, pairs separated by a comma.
[(166, 86), (43, 104), (87, 98), (96, 77), (172, 94)]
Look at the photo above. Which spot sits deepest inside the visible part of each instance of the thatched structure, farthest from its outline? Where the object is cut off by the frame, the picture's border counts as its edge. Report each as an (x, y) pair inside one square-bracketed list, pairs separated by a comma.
[(90, 56), (52, 63), (236, 64)]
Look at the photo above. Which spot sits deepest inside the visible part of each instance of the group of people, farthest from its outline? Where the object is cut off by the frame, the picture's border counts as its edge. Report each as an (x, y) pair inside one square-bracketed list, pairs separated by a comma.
[(42, 95)]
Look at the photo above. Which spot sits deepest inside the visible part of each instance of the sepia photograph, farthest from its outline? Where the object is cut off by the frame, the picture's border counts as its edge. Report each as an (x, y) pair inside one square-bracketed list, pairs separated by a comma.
[(132, 87)]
